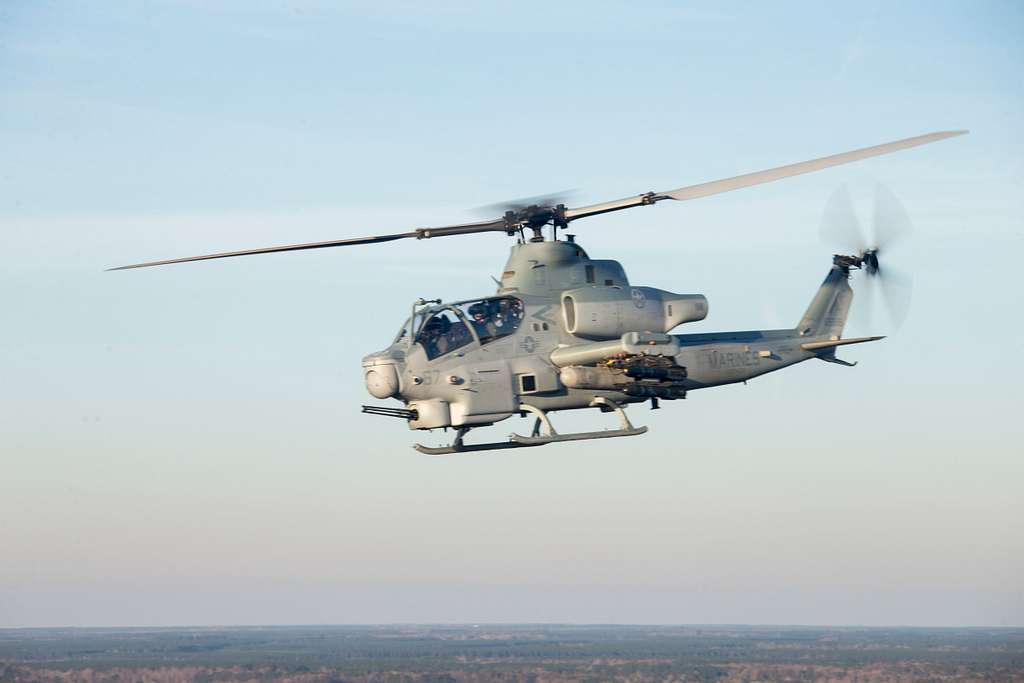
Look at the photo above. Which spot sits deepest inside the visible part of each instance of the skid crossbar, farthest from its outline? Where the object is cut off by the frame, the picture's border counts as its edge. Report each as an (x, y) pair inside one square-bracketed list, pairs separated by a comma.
[(536, 438)]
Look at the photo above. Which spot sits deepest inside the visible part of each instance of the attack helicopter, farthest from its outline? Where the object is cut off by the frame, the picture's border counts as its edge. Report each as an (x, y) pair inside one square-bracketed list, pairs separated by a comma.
[(565, 331)]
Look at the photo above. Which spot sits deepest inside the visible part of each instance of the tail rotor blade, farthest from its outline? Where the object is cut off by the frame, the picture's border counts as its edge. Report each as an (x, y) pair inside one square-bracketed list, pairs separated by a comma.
[(870, 292), (839, 224), (892, 223), (897, 291)]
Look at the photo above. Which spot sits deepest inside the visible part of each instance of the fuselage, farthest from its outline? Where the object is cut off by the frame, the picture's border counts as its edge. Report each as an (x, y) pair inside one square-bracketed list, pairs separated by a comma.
[(477, 362)]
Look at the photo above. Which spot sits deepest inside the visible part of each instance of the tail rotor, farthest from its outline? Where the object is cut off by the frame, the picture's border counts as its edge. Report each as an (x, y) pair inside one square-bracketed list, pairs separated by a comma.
[(891, 225)]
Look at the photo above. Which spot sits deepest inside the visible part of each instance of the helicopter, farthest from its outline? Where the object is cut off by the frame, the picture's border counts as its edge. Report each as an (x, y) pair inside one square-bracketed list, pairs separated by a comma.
[(565, 331)]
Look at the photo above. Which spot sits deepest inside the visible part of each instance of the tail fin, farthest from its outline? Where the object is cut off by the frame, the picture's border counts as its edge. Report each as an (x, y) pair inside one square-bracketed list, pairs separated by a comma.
[(827, 313)]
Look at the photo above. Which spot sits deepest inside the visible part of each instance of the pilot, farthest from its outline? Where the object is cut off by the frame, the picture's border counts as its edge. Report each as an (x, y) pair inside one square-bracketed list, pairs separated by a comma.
[(435, 336), (483, 322), (458, 335), (499, 316), (516, 310), (508, 314)]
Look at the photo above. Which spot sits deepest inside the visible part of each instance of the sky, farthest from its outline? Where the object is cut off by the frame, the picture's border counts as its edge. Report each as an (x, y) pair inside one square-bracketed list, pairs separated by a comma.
[(183, 445)]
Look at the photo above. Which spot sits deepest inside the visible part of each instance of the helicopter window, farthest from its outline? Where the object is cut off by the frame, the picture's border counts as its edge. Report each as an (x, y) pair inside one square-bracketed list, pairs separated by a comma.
[(590, 274), (408, 327), (493, 318), (445, 331)]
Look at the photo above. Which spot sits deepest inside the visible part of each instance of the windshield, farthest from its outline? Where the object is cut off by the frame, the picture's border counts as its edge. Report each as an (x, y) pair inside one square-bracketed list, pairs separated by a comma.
[(443, 332), (458, 325), (406, 330)]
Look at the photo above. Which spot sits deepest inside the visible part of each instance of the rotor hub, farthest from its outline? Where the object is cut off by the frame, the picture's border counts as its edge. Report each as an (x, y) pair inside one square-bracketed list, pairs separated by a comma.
[(867, 261)]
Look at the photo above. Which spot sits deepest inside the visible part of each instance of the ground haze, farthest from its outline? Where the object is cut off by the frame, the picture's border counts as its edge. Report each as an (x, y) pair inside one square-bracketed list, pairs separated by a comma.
[(367, 654)]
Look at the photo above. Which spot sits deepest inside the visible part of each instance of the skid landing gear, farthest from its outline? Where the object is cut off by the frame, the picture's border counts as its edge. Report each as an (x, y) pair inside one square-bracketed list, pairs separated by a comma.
[(536, 438)]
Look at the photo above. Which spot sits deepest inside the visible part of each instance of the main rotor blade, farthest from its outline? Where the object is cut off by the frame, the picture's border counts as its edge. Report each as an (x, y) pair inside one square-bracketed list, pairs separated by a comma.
[(759, 177), (511, 225), (419, 233)]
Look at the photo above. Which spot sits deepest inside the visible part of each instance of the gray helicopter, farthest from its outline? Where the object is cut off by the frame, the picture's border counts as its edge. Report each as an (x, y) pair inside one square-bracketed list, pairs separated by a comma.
[(566, 332)]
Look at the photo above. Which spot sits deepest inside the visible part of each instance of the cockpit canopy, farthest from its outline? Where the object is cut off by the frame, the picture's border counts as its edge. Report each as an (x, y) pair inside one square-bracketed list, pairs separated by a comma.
[(445, 328)]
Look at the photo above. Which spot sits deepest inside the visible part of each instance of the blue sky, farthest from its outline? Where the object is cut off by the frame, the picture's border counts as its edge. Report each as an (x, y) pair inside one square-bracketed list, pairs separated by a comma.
[(183, 445)]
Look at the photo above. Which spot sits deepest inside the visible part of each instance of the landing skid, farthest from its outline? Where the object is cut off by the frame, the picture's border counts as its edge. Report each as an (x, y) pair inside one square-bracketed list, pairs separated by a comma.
[(536, 438), (459, 447)]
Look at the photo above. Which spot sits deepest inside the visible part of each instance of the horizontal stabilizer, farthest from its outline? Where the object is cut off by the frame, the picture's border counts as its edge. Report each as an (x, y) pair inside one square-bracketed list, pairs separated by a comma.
[(832, 343)]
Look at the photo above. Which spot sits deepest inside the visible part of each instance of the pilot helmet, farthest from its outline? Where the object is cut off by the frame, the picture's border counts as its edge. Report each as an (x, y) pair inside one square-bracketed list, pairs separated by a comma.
[(438, 325)]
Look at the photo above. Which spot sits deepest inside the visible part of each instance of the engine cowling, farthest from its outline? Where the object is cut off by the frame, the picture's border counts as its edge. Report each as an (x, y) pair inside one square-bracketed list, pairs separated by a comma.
[(609, 312)]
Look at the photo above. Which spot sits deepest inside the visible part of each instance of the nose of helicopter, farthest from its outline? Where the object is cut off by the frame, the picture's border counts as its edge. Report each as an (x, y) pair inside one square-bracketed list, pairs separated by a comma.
[(380, 372)]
